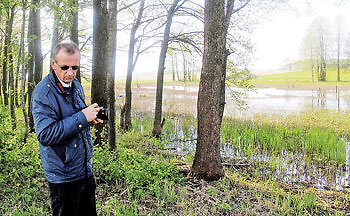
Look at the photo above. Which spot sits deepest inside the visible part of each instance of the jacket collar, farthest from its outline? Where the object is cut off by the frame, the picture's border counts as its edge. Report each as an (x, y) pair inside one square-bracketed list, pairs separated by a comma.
[(57, 84)]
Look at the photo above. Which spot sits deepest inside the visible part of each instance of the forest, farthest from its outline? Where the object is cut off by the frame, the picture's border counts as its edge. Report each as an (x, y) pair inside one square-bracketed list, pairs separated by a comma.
[(206, 136)]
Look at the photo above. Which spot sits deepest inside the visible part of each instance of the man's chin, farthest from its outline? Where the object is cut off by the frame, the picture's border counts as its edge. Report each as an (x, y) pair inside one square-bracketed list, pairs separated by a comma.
[(67, 81)]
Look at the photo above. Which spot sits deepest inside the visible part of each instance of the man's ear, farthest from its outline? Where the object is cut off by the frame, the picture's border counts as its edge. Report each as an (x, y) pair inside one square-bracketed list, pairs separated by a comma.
[(52, 63)]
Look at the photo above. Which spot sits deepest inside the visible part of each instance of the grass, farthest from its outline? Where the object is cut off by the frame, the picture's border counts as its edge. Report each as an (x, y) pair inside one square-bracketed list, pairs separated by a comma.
[(319, 135), (304, 77), (141, 177)]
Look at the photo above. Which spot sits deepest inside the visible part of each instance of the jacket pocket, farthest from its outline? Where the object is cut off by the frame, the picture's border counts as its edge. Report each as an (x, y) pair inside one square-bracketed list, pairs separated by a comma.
[(60, 151), (71, 151)]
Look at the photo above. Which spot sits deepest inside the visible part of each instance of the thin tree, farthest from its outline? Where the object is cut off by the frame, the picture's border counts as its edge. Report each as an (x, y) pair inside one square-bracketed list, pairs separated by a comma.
[(11, 70), (125, 116), (23, 72), (38, 60), (211, 95), (1, 56), (8, 34), (158, 122)]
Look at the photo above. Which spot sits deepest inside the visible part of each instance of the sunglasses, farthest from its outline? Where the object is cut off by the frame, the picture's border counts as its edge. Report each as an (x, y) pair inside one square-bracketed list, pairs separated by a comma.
[(65, 67)]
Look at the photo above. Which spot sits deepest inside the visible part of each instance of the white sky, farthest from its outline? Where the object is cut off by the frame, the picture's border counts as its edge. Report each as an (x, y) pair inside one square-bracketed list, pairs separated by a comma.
[(279, 40)]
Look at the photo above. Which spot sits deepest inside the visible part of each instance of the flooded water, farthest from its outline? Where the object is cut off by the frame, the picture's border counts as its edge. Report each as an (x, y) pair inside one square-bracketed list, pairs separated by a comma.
[(264, 100), (289, 168), (274, 100)]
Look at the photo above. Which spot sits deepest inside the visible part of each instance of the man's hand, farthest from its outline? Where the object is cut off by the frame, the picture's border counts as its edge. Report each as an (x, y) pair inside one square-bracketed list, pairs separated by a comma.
[(90, 113)]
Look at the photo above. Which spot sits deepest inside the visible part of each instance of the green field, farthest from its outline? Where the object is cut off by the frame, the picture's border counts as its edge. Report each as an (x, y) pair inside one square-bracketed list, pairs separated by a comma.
[(304, 77)]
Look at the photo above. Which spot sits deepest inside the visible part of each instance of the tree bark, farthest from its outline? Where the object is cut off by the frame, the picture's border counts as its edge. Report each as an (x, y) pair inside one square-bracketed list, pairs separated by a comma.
[(56, 33), (11, 71), (23, 73), (74, 29), (157, 124), (38, 71), (30, 65), (5, 73), (112, 44), (125, 117), (1, 56), (211, 96), (104, 25)]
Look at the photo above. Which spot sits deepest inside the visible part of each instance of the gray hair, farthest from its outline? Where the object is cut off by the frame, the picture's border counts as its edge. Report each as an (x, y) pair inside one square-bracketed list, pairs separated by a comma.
[(69, 46)]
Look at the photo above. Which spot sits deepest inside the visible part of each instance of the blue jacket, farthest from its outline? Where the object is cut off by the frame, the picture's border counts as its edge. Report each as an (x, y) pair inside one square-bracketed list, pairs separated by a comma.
[(62, 130)]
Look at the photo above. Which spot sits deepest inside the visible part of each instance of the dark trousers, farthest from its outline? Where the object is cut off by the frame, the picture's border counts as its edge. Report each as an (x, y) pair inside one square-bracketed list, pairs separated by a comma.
[(74, 198)]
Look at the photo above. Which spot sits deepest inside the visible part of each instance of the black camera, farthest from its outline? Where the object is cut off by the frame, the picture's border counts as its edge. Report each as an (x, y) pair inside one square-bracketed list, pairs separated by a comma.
[(102, 114)]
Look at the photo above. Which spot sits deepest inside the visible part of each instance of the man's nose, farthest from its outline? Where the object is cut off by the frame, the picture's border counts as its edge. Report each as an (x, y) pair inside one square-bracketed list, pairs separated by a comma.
[(70, 71)]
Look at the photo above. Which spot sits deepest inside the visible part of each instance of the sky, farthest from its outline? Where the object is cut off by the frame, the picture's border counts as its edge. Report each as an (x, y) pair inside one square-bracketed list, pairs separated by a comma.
[(278, 41)]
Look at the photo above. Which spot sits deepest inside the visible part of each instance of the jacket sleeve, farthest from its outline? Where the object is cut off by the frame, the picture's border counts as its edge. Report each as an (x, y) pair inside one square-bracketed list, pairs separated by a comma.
[(49, 129)]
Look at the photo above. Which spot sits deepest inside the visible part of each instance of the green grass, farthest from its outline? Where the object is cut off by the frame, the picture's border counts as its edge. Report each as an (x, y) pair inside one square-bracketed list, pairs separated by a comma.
[(304, 77), (141, 178), (318, 135)]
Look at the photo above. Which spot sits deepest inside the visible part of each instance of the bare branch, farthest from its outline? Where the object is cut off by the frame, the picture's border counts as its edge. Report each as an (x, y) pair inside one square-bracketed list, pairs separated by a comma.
[(241, 7), (128, 6)]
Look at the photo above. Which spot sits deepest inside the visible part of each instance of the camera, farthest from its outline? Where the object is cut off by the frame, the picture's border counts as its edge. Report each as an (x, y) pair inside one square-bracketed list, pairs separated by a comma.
[(103, 114)]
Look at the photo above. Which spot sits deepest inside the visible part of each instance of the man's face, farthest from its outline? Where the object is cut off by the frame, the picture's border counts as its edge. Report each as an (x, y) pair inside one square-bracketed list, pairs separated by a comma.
[(63, 59)]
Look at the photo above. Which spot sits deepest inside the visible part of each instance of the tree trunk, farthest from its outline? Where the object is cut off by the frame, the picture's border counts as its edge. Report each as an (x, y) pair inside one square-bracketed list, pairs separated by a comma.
[(30, 65), (211, 95), (173, 66), (18, 65), (184, 65), (5, 74), (57, 35), (1, 56), (338, 53), (38, 71), (125, 117), (11, 71), (101, 59), (23, 73), (74, 30), (157, 124), (112, 44)]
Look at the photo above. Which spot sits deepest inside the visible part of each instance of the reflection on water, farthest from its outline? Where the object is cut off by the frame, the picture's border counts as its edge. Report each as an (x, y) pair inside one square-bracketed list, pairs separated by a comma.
[(290, 168), (271, 100)]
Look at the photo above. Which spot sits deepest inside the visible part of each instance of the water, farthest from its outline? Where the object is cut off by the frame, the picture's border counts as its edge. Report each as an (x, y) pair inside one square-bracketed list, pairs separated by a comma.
[(290, 168), (272, 100), (263, 100)]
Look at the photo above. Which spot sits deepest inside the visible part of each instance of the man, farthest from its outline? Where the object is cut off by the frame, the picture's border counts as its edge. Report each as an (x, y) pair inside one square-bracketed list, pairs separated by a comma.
[(62, 121)]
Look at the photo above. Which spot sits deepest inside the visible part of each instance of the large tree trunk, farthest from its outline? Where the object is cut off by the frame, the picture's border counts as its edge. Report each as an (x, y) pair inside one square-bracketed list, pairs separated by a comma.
[(158, 124), (125, 117), (23, 73), (74, 29), (112, 44), (211, 95), (101, 64)]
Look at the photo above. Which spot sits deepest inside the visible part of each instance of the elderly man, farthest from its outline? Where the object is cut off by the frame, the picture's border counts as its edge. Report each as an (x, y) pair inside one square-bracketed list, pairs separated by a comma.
[(62, 121)]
